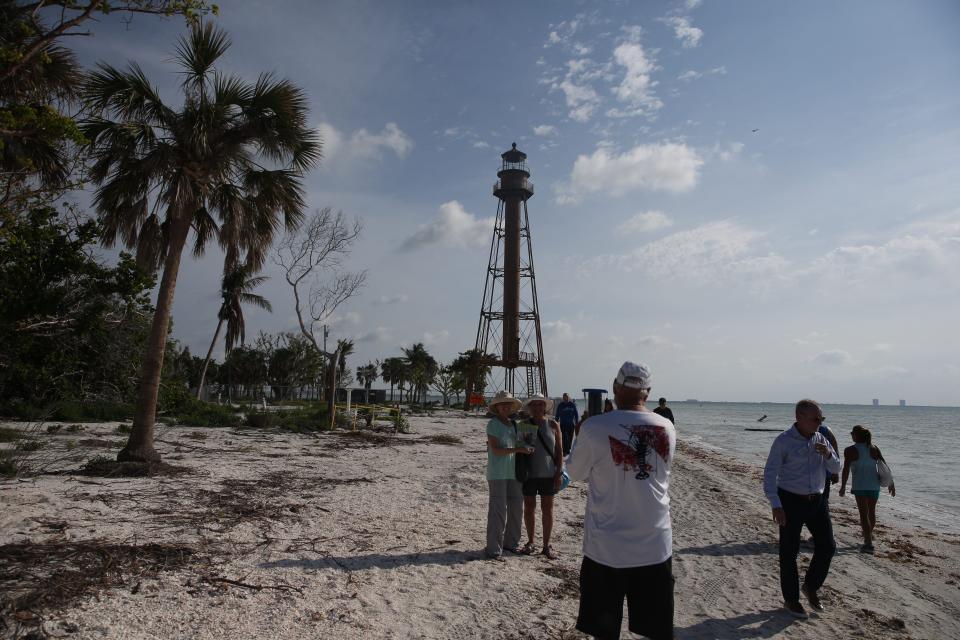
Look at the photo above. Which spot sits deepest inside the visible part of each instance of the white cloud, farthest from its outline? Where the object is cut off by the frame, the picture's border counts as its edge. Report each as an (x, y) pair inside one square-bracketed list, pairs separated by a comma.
[(692, 4), (654, 341), (351, 319), (647, 167), (833, 358), (729, 152), (558, 330), (636, 88), (688, 35), (453, 226), (394, 299), (889, 371), (814, 337), (379, 334), (713, 252), (644, 222), (581, 99), (434, 338), (690, 74), (545, 130), (908, 257), (363, 145)]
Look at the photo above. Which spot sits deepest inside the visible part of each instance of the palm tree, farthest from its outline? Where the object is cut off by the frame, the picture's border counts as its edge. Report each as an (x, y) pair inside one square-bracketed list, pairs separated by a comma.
[(367, 375), (391, 370), (235, 290), (423, 368), (162, 172), (344, 349)]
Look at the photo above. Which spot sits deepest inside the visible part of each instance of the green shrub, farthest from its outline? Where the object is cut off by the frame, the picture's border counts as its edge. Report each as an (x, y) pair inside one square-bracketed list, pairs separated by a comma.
[(91, 411), (204, 414), (31, 445), (401, 424), (124, 428), (53, 428), (9, 435), (8, 465), (262, 419), (308, 419)]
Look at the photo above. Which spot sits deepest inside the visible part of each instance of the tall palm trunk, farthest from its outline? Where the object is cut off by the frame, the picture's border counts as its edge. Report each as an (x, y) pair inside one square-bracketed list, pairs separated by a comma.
[(332, 390), (139, 447), (206, 363)]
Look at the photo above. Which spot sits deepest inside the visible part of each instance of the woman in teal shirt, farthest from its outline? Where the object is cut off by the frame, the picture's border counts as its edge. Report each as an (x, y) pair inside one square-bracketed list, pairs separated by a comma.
[(862, 458), (505, 510)]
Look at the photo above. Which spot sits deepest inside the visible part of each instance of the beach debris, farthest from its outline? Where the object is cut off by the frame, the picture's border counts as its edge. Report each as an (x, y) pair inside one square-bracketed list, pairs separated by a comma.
[(35, 577), (106, 467), (442, 438)]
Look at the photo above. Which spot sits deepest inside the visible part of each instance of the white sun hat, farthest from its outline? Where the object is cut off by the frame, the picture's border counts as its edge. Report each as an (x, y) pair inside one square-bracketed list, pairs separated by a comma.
[(539, 398), (504, 397)]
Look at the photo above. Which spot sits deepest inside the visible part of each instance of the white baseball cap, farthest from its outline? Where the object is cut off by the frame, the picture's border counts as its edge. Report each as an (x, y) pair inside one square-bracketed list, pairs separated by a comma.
[(633, 375)]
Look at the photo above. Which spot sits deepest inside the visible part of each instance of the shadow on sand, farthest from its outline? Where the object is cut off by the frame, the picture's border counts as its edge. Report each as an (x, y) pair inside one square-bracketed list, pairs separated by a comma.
[(771, 622), (732, 549), (378, 560)]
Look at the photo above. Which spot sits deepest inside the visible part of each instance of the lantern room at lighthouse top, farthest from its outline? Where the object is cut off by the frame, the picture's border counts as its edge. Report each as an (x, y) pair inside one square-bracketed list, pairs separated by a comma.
[(514, 176)]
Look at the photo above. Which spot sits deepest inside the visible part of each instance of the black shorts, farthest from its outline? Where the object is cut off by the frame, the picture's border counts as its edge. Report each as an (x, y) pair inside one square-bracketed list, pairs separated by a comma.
[(538, 487), (649, 593)]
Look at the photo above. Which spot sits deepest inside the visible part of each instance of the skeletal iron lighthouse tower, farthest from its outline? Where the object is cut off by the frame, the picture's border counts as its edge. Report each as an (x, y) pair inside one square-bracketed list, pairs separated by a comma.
[(508, 335)]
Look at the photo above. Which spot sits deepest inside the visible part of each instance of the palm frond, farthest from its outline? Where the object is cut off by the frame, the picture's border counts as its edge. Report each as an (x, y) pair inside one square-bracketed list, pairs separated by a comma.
[(257, 301), (126, 94), (198, 52)]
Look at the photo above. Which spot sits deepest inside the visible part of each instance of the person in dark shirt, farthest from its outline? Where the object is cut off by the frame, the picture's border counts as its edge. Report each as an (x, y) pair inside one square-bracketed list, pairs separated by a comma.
[(567, 415), (664, 410)]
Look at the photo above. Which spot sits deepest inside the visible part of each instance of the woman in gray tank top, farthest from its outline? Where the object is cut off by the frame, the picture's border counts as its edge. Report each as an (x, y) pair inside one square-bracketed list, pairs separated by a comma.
[(546, 467)]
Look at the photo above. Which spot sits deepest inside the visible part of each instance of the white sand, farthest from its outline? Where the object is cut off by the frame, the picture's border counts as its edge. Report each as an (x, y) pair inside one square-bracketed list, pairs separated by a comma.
[(384, 541)]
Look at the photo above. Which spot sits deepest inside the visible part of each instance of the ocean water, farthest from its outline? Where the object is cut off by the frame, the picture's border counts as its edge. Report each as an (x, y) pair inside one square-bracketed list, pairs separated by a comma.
[(921, 445)]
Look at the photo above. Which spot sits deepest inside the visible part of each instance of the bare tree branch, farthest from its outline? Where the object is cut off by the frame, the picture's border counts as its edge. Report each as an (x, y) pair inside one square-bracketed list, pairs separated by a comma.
[(311, 259)]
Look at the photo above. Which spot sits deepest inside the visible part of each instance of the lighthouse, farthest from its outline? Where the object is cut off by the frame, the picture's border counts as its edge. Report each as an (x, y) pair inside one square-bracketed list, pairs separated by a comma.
[(509, 343)]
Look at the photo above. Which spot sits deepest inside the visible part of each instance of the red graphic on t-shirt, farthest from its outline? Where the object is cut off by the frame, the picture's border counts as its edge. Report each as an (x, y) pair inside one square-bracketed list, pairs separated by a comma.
[(632, 454)]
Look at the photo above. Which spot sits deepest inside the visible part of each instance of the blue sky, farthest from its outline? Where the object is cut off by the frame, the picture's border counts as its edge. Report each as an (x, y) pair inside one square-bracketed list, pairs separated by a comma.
[(758, 199)]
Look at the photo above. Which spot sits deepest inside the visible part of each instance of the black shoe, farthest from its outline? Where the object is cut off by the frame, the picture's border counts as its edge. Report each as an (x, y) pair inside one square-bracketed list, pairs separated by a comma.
[(812, 598), (795, 609)]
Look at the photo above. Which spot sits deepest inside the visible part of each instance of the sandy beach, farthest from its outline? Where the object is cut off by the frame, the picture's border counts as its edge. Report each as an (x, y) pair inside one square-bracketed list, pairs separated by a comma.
[(269, 534)]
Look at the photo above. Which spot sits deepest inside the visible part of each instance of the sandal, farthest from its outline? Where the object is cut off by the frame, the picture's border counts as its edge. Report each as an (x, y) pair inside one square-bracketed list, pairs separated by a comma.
[(527, 549), (550, 553)]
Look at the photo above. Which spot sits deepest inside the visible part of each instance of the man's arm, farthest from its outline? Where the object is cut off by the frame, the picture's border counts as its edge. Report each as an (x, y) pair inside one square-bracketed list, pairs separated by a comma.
[(771, 471), (849, 455), (832, 461), (557, 455), (833, 443), (580, 459)]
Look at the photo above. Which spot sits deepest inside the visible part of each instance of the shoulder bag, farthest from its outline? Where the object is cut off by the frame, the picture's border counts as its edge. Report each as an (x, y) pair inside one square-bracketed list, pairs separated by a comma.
[(564, 476), (521, 463), (883, 473)]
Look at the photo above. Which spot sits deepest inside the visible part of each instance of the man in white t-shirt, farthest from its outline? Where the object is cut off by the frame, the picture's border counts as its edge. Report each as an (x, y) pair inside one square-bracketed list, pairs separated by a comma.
[(625, 455)]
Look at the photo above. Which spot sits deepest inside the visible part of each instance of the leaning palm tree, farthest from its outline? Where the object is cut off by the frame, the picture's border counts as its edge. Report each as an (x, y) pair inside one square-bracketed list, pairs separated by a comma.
[(236, 289), (227, 164), (423, 367)]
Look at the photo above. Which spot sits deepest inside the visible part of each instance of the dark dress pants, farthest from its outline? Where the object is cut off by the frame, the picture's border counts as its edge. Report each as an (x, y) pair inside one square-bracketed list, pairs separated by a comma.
[(815, 514)]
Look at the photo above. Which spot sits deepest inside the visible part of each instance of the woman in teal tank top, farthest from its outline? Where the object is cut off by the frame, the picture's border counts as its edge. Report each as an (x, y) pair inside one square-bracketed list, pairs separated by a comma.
[(862, 458)]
